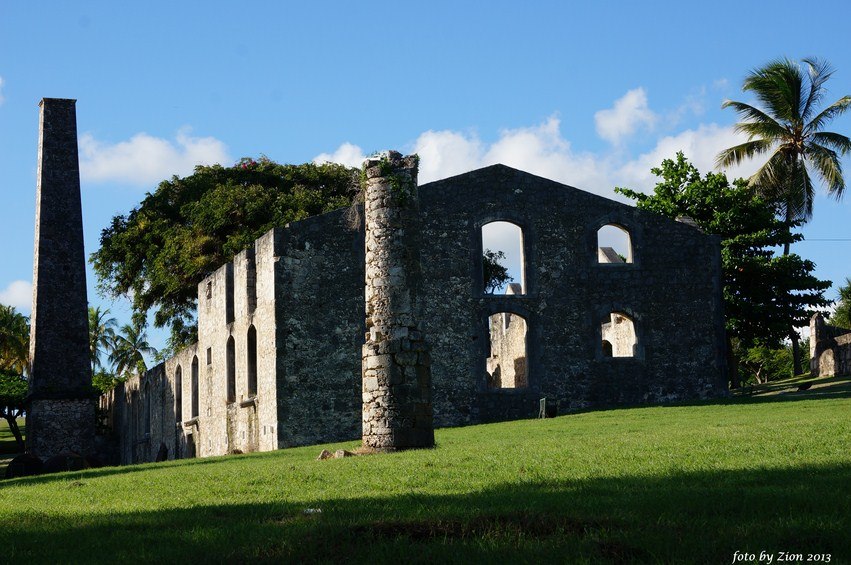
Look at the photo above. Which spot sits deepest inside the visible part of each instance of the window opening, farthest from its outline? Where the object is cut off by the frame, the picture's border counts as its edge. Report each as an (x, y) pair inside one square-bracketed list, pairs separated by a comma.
[(252, 361), (195, 387), (618, 333), (178, 395), (613, 245), (147, 409), (231, 370), (506, 363), (503, 261)]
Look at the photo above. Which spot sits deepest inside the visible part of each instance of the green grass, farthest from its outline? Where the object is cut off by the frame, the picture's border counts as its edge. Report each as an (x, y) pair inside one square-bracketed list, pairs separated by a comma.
[(682, 484), (8, 446)]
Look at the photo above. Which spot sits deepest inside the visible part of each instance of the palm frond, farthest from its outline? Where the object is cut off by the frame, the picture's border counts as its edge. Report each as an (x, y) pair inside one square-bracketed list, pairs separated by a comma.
[(829, 168), (836, 109), (760, 130), (737, 154), (836, 141), (801, 192), (771, 179), (818, 72), (778, 85), (748, 112)]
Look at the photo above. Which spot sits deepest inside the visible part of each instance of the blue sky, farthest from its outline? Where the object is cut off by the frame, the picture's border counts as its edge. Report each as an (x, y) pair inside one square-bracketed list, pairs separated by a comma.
[(590, 94)]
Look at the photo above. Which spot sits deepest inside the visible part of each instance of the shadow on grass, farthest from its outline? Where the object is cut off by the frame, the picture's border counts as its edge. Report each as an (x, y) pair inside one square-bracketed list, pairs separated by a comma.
[(684, 518), (126, 469)]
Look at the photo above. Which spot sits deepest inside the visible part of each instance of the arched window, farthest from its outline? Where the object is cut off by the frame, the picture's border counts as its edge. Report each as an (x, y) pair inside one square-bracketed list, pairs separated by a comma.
[(231, 369), (194, 384), (618, 333), (252, 362), (178, 395), (506, 364), (147, 408), (503, 260), (614, 246)]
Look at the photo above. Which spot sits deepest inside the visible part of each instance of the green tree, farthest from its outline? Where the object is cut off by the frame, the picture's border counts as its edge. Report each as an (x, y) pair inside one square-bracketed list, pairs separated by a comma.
[(159, 252), (788, 128), (842, 309), (129, 349), (13, 391), (14, 340), (494, 273), (101, 334), (764, 294)]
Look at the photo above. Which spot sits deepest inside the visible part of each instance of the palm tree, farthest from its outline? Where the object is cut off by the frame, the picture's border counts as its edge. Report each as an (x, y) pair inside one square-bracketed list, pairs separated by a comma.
[(101, 334), (129, 348), (14, 340), (789, 130)]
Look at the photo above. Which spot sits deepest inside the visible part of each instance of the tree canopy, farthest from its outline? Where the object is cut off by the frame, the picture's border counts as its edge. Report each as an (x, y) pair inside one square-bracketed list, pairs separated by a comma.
[(764, 293), (14, 340), (494, 273), (159, 252)]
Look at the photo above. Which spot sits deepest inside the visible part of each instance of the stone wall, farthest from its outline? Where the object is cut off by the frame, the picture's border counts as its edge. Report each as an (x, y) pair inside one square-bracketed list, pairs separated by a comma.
[(320, 309), (309, 318), (671, 290), (830, 349), (237, 302)]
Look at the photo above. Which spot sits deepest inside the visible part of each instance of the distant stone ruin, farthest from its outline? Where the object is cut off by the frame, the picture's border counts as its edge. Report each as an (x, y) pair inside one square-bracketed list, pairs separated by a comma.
[(323, 332), (830, 349)]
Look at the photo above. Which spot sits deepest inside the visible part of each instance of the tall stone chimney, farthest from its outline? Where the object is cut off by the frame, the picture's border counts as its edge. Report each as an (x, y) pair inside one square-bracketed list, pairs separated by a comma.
[(397, 410), (61, 403)]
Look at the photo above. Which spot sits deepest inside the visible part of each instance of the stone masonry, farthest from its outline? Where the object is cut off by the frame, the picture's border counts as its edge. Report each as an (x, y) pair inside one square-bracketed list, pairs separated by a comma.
[(830, 349), (397, 411), (61, 404), (291, 313)]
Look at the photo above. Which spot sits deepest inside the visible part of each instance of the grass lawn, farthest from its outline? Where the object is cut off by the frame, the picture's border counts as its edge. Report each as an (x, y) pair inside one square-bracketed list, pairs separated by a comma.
[(8, 446), (681, 484)]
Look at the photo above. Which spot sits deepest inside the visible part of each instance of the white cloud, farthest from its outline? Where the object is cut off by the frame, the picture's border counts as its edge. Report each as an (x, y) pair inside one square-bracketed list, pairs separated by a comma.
[(18, 294), (347, 154), (540, 149), (2, 98), (700, 145), (629, 113), (544, 150), (145, 160)]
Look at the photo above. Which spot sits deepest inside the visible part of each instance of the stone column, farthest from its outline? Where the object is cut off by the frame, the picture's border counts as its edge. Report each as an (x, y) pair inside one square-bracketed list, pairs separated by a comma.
[(397, 411), (61, 402)]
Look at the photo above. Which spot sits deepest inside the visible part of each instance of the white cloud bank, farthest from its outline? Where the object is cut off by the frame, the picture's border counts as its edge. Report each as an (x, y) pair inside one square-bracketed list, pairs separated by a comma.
[(18, 294), (145, 160), (629, 113), (544, 150)]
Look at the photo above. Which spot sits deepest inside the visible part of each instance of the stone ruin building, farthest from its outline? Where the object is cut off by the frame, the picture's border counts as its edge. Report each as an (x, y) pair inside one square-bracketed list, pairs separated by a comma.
[(322, 332), (281, 358), (830, 349)]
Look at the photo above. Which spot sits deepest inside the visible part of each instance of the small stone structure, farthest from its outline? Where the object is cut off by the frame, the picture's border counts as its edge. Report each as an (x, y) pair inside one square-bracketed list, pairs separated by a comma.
[(61, 403), (830, 349), (397, 412), (281, 358)]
